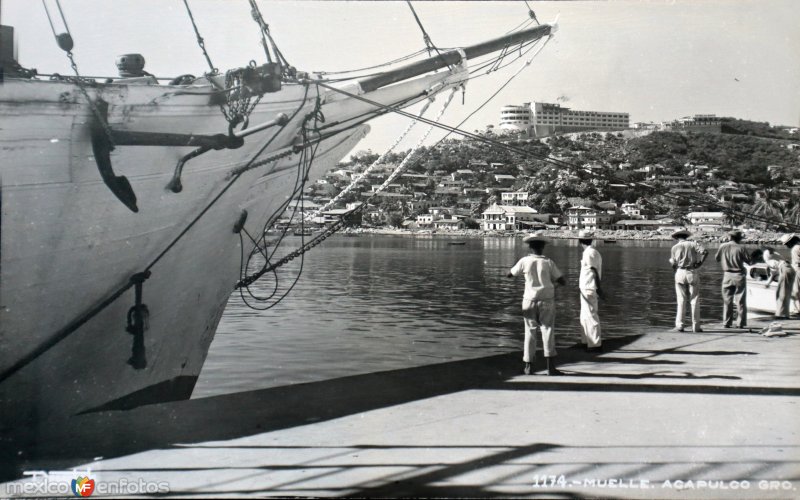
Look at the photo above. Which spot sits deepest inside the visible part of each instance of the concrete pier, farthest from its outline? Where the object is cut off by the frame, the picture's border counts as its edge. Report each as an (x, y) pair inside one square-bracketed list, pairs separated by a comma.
[(660, 415)]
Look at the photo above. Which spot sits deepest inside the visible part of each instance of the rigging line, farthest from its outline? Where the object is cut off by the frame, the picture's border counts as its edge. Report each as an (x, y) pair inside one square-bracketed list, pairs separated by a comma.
[(426, 38), (422, 113), (389, 63), (50, 20), (339, 223), (227, 186), (368, 170), (300, 180), (256, 15), (531, 13), (311, 155), (560, 163), (259, 19), (528, 46), (527, 63), (422, 139), (200, 40), (520, 26)]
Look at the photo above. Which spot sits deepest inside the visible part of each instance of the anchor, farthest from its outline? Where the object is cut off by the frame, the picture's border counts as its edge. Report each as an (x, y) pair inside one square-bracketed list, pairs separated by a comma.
[(105, 139)]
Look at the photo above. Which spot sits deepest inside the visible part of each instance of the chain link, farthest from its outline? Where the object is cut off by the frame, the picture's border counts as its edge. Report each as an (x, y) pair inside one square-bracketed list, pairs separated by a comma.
[(80, 81)]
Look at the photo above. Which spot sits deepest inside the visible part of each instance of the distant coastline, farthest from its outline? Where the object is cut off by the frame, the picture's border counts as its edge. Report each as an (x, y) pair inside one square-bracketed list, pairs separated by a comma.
[(752, 237)]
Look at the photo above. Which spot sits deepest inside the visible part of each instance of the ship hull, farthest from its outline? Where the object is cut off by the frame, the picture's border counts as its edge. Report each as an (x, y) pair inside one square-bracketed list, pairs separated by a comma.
[(68, 242)]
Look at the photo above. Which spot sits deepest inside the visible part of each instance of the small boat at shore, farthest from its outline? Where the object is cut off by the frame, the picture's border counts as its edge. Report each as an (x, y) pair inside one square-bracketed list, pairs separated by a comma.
[(760, 296), (455, 243)]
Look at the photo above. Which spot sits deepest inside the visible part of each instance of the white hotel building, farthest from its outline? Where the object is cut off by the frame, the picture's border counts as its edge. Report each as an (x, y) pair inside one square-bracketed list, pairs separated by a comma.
[(542, 119)]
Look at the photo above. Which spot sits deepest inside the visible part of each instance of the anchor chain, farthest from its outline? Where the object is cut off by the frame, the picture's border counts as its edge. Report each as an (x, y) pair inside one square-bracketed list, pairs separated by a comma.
[(372, 166), (66, 43)]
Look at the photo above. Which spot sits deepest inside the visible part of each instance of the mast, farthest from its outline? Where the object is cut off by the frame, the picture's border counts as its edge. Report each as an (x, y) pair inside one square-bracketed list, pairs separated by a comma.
[(454, 57)]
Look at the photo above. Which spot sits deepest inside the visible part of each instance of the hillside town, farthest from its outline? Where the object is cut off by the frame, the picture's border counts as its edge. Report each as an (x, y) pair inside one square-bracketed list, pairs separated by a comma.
[(646, 178)]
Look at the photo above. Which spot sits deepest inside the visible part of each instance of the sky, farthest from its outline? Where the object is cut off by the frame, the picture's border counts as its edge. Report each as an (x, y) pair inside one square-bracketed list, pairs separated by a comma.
[(657, 60)]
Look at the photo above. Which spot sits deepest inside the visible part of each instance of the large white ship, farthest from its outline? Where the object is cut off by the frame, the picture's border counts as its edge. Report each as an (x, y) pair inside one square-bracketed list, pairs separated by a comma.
[(116, 266)]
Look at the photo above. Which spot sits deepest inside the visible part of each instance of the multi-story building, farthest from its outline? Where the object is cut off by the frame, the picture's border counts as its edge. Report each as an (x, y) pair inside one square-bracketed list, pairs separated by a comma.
[(516, 118), (509, 218), (542, 119), (634, 211), (425, 220), (696, 123), (582, 217), (514, 197)]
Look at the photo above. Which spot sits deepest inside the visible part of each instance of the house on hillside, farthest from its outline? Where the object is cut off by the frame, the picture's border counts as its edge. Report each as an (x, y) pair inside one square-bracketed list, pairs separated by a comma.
[(504, 179), (462, 174), (511, 217), (635, 211), (425, 220), (449, 224), (707, 221), (514, 197), (583, 217)]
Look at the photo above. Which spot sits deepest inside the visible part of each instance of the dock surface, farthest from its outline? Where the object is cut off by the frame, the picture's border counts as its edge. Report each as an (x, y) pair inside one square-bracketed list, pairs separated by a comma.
[(661, 415)]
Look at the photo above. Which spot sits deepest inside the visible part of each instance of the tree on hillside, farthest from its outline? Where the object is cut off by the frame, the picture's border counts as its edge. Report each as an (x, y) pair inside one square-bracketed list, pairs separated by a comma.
[(792, 213), (396, 219), (767, 206)]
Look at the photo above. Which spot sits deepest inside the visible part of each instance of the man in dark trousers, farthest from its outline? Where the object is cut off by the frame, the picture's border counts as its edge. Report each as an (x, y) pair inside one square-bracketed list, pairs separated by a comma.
[(538, 301), (732, 257)]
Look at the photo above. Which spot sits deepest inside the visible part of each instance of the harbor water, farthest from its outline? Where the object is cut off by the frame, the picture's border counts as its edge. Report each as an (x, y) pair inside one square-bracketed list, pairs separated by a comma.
[(379, 302)]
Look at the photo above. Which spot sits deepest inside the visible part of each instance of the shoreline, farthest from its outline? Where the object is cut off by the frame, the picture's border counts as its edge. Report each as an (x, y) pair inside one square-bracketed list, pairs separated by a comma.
[(752, 237)]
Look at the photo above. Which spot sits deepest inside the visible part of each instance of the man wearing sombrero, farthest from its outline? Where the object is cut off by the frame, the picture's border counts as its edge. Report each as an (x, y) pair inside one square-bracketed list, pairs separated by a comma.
[(686, 257), (538, 301)]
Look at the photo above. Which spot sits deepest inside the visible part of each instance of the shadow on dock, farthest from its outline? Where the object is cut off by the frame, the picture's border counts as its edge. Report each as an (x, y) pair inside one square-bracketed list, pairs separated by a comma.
[(64, 443)]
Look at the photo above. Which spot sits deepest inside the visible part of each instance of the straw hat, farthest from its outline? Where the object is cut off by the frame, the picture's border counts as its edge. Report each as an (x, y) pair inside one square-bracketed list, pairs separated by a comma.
[(681, 233), (787, 238), (735, 234), (534, 236), (774, 330), (585, 234)]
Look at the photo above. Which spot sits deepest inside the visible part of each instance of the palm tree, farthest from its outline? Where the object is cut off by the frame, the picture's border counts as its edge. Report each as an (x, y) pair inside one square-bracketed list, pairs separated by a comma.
[(768, 207), (792, 214)]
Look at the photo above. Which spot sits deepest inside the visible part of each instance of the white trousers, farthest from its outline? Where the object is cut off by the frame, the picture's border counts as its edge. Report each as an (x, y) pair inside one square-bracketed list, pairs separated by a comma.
[(590, 320), (538, 315), (687, 289)]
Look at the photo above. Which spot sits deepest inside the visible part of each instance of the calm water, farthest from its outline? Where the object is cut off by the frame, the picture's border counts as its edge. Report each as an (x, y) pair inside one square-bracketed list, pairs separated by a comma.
[(372, 303)]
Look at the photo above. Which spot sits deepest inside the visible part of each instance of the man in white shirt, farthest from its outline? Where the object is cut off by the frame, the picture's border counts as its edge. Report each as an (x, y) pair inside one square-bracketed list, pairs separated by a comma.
[(538, 302), (686, 258), (589, 285)]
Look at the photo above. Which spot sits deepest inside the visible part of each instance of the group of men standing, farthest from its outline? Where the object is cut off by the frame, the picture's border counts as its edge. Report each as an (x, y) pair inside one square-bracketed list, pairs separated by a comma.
[(538, 301), (686, 257)]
